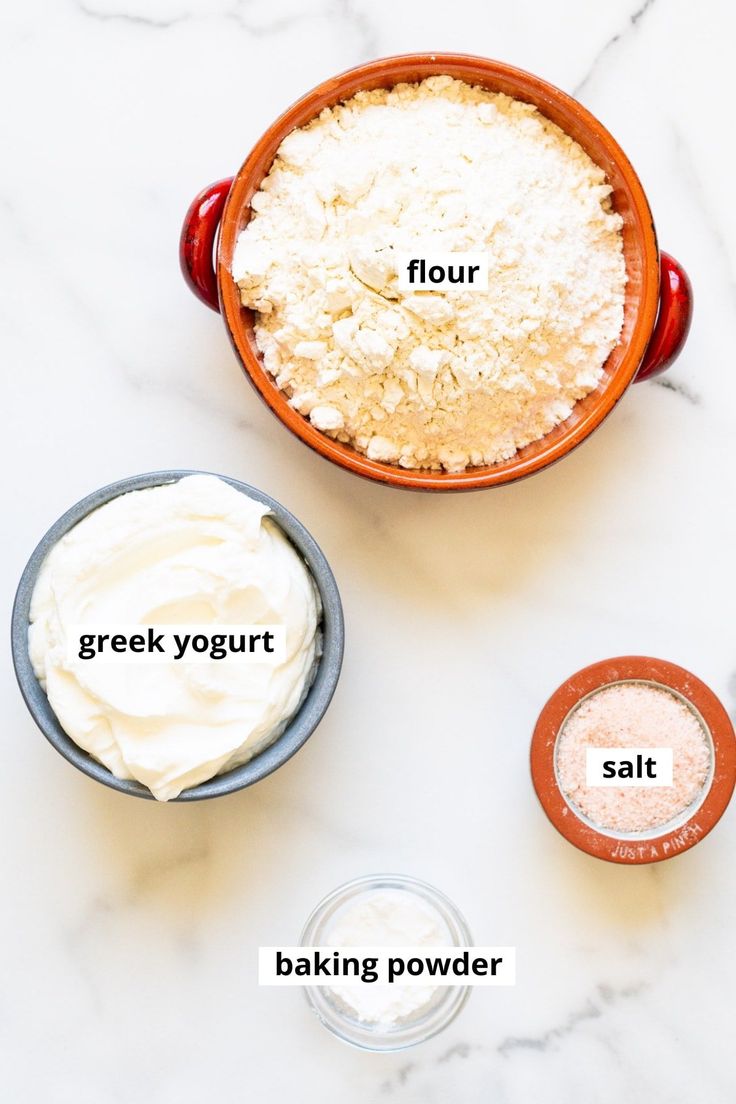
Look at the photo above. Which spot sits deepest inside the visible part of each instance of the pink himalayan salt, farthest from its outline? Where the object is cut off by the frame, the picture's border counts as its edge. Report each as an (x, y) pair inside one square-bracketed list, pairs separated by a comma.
[(630, 714)]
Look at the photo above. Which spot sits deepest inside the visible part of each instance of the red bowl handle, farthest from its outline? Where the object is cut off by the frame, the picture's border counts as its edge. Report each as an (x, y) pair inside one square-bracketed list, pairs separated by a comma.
[(197, 241), (673, 320), (202, 222)]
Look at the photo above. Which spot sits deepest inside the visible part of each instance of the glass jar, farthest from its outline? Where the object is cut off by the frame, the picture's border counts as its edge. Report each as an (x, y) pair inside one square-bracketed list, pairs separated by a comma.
[(427, 1020)]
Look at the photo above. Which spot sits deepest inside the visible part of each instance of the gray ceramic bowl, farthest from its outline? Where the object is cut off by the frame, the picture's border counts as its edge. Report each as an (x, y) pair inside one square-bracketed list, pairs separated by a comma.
[(297, 731)]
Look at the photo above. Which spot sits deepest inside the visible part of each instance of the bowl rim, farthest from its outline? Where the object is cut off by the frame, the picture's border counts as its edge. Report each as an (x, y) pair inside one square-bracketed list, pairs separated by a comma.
[(298, 730), (387, 71), (630, 849)]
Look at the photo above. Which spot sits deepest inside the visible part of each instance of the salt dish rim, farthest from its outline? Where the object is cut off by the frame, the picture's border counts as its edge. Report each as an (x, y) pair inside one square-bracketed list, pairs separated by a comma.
[(675, 837)]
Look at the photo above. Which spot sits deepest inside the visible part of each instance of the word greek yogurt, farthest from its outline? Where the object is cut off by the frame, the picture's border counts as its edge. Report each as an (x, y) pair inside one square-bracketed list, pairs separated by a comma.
[(189, 644)]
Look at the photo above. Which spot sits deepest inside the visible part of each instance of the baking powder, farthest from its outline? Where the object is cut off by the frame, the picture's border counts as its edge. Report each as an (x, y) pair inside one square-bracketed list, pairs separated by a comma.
[(386, 918)]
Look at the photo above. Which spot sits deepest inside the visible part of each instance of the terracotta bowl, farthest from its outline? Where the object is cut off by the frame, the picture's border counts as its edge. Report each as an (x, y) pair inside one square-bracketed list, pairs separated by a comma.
[(672, 839), (658, 296)]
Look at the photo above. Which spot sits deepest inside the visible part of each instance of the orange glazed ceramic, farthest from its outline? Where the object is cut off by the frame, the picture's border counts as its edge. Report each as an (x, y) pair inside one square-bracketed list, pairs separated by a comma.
[(656, 845), (658, 303)]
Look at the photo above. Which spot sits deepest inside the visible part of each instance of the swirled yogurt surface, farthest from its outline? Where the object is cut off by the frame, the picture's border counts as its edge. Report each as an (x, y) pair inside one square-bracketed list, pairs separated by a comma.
[(194, 551)]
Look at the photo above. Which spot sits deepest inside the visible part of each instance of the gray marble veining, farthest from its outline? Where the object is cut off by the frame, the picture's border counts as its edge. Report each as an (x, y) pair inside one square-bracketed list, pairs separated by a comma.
[(129, 928)]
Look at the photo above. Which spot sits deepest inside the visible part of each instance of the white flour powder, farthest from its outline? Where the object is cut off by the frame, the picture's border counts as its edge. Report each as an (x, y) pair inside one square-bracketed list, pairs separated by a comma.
[(386, 918), (435, 379)]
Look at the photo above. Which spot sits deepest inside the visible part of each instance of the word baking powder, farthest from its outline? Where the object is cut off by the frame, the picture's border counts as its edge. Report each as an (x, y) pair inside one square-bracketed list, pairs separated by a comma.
[(449, 378), (636, 715)]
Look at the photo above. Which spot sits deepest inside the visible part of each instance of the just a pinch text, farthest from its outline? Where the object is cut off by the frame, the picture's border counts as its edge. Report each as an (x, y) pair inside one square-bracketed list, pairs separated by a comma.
[(178, 643)]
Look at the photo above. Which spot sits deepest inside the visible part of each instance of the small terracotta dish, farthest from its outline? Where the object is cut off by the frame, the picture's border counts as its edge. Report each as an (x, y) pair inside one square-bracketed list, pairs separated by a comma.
[(664, 841), (657, 309)]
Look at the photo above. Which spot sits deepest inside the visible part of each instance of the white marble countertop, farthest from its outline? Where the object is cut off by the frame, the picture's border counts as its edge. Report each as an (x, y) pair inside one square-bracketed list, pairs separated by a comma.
[(129, 928)]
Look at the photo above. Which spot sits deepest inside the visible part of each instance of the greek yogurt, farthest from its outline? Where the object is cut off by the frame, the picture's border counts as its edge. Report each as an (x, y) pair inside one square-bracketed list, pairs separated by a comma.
[(196, 551)]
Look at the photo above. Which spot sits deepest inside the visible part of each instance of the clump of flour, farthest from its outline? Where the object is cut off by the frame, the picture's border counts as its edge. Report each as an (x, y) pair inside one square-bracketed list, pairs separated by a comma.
[(433, 379)]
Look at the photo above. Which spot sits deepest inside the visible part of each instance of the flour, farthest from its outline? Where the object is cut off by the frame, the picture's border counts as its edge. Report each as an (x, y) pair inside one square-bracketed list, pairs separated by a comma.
[(433, 379)]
